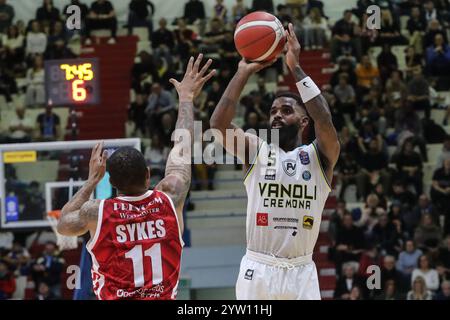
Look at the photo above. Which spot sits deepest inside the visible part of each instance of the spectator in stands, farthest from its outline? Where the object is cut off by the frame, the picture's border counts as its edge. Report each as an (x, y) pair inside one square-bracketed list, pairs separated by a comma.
[(186, 40), (336, 219), (345, 67), (395, 90), (346, 282), (7, 282), (156, 156), (101, 16), (373, 169), (160, 102), (430, 12), (34, 203), (18, 259), (345, 40), (13, 43), (348, 172), (47, 13), (166, 128), (419, 290), (213, 97), (390, 292), (389, 272), (8, 85), (139, 15), (412, 59), (266, 95), (443, 259), (418, 92), (229, 57), (438, 57), (429, 274), (48, 268), (36, 41), (409, 166), (57, 43), (315, 27), (408, 259), (365, 73), (390, 29), (44, 293), (387, 62), (346, 97), (220, 11), (370, 257), (445, 154), (434, 28), (349, 242), (214, 37), (385, 234), (368, 35), (7, 14), (194, 10), (440, 191), (370, 214), (444, 294), (136, 113), (238, 11), (412, 218), (20, 127), (35, 93), (416, 26), (263, 5), (163, 39), (428, 234), (251, 122), (49, 125)]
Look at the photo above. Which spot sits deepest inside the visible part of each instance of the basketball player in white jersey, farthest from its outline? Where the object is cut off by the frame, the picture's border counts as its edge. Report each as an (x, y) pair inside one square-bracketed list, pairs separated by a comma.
[(287, 184)]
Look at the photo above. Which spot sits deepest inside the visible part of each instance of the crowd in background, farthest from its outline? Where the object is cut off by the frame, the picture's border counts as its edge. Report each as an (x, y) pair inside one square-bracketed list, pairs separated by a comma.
[(403, 226)]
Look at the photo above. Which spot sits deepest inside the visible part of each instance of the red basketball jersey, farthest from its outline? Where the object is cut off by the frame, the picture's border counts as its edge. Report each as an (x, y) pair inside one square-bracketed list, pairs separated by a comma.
[(136, 249)]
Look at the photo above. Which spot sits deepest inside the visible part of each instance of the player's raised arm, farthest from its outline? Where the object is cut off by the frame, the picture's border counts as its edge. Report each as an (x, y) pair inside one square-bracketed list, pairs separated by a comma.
[(316, 105), (79, 215), (225, 111), (177, 178)]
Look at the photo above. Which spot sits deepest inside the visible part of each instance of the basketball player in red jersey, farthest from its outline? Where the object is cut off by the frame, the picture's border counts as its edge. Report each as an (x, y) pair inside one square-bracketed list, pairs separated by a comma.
[(136, 240)]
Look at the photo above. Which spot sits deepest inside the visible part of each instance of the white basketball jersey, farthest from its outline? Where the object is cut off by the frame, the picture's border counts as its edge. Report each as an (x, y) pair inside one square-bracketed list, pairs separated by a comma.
[(286, 195)]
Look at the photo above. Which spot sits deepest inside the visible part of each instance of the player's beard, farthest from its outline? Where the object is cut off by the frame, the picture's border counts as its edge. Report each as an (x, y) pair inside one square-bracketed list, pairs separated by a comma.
[(286, 133)]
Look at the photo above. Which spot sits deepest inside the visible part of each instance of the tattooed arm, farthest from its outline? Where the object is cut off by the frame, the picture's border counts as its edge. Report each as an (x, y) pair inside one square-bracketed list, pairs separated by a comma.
[(177, 179), (79, 215)]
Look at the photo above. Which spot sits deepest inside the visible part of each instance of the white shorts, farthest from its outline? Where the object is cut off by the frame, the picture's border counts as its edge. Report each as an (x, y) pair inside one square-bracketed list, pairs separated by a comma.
[(262, 277)]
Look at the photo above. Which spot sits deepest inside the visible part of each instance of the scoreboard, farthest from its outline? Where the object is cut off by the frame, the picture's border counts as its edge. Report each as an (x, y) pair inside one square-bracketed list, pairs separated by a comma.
[(72, 81)]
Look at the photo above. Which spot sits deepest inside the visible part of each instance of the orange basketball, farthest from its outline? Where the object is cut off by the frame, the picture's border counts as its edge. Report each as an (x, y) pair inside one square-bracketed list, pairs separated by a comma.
[(259, 36)]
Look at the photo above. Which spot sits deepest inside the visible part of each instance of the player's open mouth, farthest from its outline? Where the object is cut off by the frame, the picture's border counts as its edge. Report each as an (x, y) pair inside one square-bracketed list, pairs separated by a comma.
[(277, 125)]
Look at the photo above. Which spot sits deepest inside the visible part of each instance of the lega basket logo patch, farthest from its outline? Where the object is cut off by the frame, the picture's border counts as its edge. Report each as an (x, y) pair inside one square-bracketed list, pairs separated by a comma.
[(249, 274), (308, 222), (262, 219), (304, 157), (306, 175)]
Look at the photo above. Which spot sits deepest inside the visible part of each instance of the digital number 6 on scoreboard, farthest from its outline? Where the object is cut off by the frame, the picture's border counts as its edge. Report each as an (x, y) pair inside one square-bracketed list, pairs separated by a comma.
[(72, 81)]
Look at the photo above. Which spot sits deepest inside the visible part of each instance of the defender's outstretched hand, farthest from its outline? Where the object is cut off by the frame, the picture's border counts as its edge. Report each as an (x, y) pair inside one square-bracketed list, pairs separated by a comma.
[(293, 48), (193, 79)]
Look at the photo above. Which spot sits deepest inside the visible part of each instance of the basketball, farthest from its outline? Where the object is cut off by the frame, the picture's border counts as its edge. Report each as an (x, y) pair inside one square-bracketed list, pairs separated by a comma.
[(259, 36)]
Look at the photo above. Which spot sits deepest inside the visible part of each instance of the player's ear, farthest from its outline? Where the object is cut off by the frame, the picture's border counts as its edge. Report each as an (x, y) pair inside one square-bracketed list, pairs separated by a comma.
[(304, 121)]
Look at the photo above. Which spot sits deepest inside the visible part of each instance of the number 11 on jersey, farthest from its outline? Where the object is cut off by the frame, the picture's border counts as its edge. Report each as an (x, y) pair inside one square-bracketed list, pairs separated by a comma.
[(136, 256)]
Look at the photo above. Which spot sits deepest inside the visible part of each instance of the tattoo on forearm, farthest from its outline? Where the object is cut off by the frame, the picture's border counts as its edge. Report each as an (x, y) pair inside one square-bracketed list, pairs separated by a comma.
[(79, 198)]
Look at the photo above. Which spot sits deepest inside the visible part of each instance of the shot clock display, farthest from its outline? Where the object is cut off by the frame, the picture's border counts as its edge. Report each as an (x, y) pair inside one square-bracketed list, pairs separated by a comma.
[(72, 81)]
